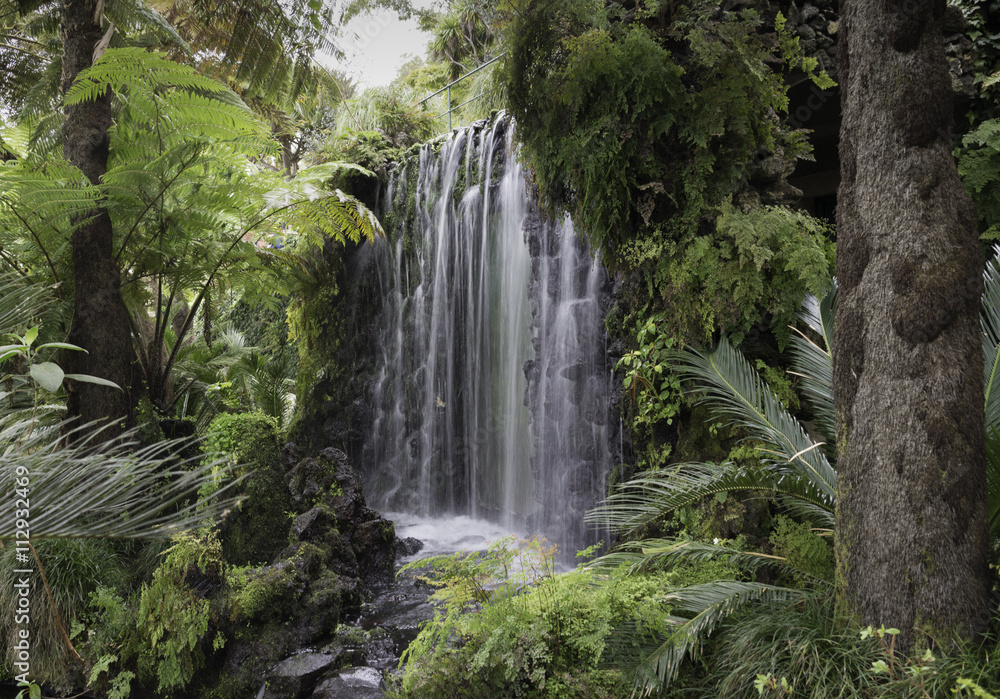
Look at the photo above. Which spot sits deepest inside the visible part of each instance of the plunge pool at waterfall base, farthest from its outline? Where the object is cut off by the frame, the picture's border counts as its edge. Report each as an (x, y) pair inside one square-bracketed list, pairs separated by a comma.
[(353, 664)]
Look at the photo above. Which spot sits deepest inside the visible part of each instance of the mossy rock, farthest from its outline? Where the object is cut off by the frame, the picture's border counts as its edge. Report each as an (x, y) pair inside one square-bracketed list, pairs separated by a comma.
[(276, 611), (258, 529), (267, 595)]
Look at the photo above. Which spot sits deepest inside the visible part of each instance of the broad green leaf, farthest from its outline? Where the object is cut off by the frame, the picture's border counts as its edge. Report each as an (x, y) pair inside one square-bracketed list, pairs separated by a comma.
[(48, 375), (61, 345), (87, 378), (31, 336), (6, 354)]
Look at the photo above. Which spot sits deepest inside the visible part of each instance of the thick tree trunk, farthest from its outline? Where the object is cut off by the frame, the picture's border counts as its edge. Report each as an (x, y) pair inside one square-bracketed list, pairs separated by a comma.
[(912, 537), (100, 321)]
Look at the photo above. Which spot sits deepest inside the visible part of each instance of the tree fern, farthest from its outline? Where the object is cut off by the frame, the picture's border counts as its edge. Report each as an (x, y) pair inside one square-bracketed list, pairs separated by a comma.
[(186, 194)]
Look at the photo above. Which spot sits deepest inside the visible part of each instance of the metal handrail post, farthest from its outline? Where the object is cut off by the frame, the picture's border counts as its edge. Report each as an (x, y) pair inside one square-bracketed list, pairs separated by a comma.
[(454, 82)]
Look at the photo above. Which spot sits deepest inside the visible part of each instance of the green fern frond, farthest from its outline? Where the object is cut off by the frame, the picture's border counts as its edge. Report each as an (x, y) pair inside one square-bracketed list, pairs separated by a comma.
[(46, 135), (320, 215), (138, 70), (43, 97)]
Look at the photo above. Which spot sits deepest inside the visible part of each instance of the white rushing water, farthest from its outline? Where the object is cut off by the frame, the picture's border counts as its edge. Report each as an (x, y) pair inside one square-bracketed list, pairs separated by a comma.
[(491, 397)]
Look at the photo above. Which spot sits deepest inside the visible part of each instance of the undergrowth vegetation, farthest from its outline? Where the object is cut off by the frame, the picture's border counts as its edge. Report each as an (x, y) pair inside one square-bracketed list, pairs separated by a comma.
[(509, 626)]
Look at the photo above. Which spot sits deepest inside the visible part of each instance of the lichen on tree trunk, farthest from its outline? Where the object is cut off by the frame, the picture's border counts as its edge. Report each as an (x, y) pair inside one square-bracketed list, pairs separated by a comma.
[(912, 537), (100, 321)]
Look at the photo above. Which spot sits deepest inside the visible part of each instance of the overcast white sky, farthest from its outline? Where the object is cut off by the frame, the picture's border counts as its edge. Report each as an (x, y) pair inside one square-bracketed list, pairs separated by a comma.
[(377, 44)]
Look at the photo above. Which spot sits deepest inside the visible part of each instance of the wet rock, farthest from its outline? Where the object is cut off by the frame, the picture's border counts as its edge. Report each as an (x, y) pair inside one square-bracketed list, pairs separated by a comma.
[(297, 676), (321, 477), (361, 541), (781, 194), (374, 544), (408, 547), (400, 610), (575, 372), (380, 650), (353, 683), (953, 20), (310, 525), (581, 479), (771, 169)]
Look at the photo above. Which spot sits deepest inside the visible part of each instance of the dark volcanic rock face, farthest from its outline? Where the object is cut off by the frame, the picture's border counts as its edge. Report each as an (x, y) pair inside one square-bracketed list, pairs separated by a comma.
[(338, 553)]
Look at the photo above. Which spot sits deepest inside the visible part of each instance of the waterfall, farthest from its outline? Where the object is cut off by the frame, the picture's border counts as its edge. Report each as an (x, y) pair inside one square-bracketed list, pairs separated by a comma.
[(491, 394)]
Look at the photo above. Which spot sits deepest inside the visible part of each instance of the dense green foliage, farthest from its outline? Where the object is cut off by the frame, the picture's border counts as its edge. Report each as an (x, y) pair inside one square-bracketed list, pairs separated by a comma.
[(642, 123), (186, 202), (256, 531), (510, 627), (979, 166)]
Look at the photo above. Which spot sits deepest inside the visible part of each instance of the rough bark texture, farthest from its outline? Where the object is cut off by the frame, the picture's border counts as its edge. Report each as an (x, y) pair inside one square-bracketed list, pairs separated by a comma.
[(100, 321), (911, 518)]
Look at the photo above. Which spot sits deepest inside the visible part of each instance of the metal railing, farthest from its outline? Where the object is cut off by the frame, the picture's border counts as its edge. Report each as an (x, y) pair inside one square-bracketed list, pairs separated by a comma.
[(447, 88)]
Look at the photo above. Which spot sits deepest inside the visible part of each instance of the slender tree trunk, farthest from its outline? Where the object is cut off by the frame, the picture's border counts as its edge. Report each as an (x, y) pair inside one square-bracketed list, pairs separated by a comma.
[(912, 540), (100, 321)]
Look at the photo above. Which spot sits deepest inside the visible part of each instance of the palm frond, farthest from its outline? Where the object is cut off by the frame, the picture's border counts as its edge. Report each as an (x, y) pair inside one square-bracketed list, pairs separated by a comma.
[(990, 322), (102, 491), (699, 610), (813, 361), (20, 302), (662, 554), (656, 494), (993, 481), (734, 392)]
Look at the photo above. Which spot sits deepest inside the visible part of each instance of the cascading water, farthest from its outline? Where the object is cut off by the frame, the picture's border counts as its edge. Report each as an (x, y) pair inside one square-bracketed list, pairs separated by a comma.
[(491, 398)]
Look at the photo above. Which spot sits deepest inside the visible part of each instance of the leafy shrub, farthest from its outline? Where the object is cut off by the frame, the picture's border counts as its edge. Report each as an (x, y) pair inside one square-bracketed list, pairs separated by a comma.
[(243, 437), (259, 528), (173, 616), (979, 167), (821, 656), (74, 568), (510, 627), (159, 634), (804, 550)]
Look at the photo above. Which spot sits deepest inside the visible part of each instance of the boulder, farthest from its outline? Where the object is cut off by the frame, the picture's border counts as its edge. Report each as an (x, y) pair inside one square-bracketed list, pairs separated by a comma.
[(353, 683), (296, 677)]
